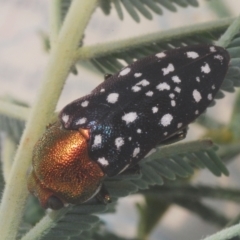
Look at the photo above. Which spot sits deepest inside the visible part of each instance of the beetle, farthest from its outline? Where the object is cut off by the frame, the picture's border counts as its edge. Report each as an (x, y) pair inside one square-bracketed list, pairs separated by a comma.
[(149, 102)]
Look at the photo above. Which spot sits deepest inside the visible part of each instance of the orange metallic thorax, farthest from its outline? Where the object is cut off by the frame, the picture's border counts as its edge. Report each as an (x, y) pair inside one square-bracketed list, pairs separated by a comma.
[(62, 167)]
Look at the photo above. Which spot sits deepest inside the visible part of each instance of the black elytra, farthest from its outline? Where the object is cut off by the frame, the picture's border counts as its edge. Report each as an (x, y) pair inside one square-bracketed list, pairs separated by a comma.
[(146, 103)]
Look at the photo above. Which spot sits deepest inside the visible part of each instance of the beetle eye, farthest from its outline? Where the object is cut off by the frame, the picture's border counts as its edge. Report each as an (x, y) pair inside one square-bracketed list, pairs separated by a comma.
[(54, 203)]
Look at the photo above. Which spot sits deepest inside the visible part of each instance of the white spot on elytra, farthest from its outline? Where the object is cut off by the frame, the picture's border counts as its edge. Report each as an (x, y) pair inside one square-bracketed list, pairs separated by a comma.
[(212, 49), (209, 96), (136, 151), (176, 79), (136, 89), (119, 142), (125, 71), (219, 57), (144, 83), (149, 93), (179, 125), (97, 141), (168, 69), (112, 97), (155, 109), (177, 89), (160, 55), (85, 103), (213, 87), (173, 103), (166, 119), (206, 68), (81, 121), (192, 55), (136, 75), (196, 112), (163, 86), (102, 90), (65, 118), (165, 134), (130, 117), (139, 130), (198, 79), (151, 152), (197, 95), (130, 138), (172, 95), (103, 161)]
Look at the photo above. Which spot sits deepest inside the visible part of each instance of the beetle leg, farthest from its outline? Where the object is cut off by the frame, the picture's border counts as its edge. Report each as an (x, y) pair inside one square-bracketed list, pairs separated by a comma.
[(176, 137), (134, 170), (107, 75), (103, 195)]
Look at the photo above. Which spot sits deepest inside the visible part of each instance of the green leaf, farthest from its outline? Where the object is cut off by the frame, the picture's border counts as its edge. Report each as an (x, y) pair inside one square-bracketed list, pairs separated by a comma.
[(11, 125), (71, 221), (174, 160), (142, 46), (149, 214), (208, 214), (180, 190), (2, 183), (229, 151), (144, 7), (105, 6), (234, 123)]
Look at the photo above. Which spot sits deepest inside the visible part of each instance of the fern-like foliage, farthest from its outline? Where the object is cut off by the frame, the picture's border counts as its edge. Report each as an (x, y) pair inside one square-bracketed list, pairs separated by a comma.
[(167, 165), (1, 172), (189, 197), (12, 126), (144, 7), (135, 8), (111, 62), (168, 162)]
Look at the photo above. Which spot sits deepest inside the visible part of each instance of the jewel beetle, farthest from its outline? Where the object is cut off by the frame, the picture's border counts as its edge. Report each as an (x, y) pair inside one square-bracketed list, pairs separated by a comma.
[(110, 130)]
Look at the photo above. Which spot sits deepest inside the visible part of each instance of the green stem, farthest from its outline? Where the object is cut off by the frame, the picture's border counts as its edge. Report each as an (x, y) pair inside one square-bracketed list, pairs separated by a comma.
[(46, 223), (232, 30), (225, 234), (220, 8), (14, 111), (7, 156), (193, 192), (208, 122), (180, 148), (55, 20), (107, 48), (61, 60), (233, 222), (234, 122)]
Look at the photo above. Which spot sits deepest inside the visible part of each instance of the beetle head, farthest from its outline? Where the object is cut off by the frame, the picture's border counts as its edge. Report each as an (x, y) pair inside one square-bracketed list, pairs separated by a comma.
[(62, 171)]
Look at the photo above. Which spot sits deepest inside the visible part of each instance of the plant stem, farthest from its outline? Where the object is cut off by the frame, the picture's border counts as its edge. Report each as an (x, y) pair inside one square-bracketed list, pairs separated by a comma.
[(225, 234), (232, 30), (45, 224), (181, 148), (220, 8), (61, 59), (7, 156), (13, 110), (55, 20), (107, 48)]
